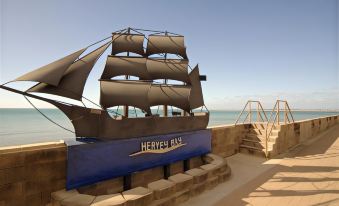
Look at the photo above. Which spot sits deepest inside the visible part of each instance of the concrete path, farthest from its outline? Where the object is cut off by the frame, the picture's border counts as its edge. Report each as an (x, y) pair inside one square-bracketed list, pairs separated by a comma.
[(308, 175)]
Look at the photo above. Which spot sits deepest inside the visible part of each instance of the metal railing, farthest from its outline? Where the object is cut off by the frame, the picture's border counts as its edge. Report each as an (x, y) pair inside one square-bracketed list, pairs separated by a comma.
[(249, 112), (276, 112)]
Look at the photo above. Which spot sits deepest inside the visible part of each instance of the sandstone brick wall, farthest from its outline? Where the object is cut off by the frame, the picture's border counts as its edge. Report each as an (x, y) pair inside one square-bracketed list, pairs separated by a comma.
[(300, 131), (29, 173), (226, 139)]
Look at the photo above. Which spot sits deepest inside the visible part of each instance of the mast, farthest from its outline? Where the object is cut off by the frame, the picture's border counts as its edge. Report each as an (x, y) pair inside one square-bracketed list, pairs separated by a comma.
[(165, 81), (127, 77)]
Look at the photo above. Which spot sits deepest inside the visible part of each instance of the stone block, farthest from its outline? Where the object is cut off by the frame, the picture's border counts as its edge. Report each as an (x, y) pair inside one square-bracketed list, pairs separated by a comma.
[(40, 185), (52, 170), (39, 156), (212, 170), (195, 162), (12, 191), (10, 160), (12, 175), (182, 181), (78, 200), (198, 175), (168, 201), (138, 196), (197, 189), (34, 199), (177, 167), (182, 196), (161, 188), (222, 177), (109, 200), (212, 182), (63, 194)]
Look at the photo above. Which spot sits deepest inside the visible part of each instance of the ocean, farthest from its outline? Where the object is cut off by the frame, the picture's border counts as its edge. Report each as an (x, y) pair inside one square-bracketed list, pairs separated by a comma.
[(25, 126)]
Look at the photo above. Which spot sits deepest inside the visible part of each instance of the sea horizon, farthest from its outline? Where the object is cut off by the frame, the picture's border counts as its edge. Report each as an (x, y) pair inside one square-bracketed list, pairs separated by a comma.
[(27, 125)]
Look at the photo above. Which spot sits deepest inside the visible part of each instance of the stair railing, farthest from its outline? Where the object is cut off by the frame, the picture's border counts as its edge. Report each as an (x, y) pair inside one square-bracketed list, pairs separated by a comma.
[(249, 112), (276, 112)]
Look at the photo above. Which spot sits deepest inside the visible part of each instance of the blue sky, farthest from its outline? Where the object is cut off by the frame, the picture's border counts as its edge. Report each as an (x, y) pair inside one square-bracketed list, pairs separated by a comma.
[(248, 49)]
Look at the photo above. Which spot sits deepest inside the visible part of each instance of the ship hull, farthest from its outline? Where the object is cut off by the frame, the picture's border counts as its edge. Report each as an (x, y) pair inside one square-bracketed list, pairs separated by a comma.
[(99, 124)]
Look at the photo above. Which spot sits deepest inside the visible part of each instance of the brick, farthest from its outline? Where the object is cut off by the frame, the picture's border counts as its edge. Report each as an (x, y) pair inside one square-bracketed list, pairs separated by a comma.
[(161, 188), (78, 200), (138, 196), (12, 175), (40, 185), (109, 200), (12, 191), (10, 160), (212, 170), (45, 155), (197, 189), (212, 182), (198, 175), (53, 170), (182, 181), (177, 167), (168, 201), (182, 196), (63, 194)]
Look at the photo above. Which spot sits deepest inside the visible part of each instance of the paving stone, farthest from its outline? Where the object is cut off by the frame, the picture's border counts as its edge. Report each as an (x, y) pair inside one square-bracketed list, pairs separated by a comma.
[(182, 181), (109, 200), (199, 175), (138, 196), (162, 188), (78, 200)]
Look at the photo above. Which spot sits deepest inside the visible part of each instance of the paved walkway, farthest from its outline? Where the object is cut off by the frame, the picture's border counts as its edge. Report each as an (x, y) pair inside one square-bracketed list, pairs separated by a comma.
[(308, 176)]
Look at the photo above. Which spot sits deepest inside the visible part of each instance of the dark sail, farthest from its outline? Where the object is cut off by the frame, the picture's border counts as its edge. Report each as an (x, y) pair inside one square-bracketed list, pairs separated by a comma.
[(196, 99), (118, 65), (166, 44), (73, 81), (123, 92), (175, 69), (175, 95), (51, 73), (128, 43)]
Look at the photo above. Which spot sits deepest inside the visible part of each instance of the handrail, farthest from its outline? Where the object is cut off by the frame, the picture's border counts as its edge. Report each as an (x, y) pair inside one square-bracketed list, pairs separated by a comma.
[(259, 110), (276, 110)]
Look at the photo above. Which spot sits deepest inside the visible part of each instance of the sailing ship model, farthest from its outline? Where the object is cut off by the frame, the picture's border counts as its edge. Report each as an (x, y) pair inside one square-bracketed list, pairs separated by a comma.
[(67, 76)]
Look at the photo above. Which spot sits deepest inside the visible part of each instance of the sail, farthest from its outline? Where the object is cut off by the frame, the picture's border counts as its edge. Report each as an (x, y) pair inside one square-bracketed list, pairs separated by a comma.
[(51, 73), (73, 81), (124, 92), (196, 99), (166, 44), (128, 43), (175, 69), (117, 65), (175, 95)]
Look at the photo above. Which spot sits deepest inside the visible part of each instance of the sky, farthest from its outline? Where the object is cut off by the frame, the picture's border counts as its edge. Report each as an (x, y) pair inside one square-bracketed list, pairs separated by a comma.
[(249, 49)]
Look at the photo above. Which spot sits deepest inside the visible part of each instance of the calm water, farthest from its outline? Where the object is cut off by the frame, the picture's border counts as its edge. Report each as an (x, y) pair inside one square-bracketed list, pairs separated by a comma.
[(21, 126)]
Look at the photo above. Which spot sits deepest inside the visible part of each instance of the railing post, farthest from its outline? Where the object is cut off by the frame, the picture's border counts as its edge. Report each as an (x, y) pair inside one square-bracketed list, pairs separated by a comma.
[(250, 111), (285, 113), (278, 112), (258, 115)]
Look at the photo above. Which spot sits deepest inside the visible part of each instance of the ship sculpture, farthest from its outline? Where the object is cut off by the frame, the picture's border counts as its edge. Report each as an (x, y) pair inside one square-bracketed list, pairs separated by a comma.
[(67, 76)]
